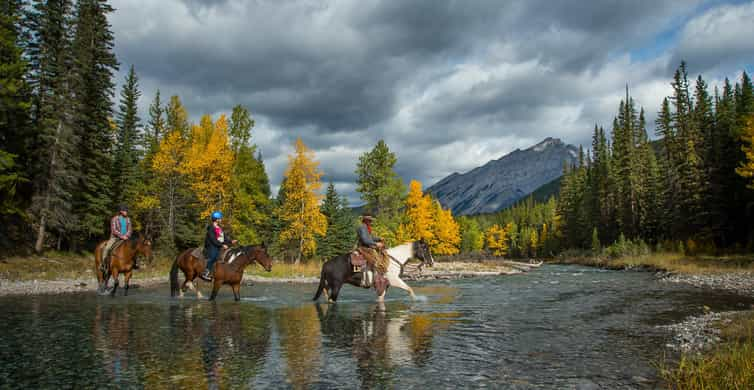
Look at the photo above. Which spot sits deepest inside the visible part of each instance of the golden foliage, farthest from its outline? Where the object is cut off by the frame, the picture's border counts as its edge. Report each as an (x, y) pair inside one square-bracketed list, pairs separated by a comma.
[(497, 240), (447, 232), (419, 215), (300, 210), (746, 169), (209, 163)]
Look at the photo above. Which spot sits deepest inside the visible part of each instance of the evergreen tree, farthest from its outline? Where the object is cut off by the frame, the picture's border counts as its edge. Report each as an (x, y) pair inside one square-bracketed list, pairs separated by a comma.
[(176, 117), (15, 99), (472, 238), (340, 235), (156, 126), (379, 185), (93, 90), (55, 143), (127, 153)]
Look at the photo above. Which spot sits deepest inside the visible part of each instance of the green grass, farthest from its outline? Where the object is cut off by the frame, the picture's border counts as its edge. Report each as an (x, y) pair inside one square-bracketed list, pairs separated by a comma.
[(670, 261), (64, 265), (730, 366), (288, 270)]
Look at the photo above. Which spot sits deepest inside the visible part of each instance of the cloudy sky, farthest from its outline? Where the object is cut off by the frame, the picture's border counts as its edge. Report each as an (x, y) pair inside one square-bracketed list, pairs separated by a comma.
[(449, 85)]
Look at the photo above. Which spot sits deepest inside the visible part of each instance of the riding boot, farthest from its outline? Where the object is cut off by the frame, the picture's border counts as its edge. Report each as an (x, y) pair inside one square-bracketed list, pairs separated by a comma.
[(206, 275)]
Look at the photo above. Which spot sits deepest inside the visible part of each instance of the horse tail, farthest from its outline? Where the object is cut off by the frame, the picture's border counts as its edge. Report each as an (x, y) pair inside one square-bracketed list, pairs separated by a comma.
[(322, 284), (174, 277)]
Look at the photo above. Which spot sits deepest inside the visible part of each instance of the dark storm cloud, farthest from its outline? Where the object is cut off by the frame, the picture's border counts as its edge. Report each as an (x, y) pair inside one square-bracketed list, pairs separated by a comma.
[(473, 78)]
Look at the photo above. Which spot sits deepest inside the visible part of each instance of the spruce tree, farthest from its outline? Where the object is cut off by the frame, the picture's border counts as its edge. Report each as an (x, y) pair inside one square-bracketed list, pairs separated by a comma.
[(340, 236), (125, 170), (54, 146), (93, 90), (15, 99), (156, 126)]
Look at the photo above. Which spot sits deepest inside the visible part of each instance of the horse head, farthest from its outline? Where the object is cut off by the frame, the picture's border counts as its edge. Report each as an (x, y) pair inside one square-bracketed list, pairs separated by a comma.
[(143, 246), (422, 252), (259, 253)]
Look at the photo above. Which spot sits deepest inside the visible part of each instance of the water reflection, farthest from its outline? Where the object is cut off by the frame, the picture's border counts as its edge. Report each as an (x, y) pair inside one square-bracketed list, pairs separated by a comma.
[(382, 339), (212, 346), (300, 341)]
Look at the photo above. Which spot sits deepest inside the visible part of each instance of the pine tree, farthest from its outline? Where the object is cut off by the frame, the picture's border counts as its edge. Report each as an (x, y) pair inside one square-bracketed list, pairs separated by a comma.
[(249, 205), (379, 185), (299, 211), (55, 142), (127, 153), (340, 235), (746, 169), (93, 90), (15, 99), (156, 126)]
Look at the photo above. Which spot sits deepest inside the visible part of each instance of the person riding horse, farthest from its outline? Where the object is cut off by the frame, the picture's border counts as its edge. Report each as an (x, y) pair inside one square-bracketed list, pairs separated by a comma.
[(120, 230), (214, 241), (373, 249)]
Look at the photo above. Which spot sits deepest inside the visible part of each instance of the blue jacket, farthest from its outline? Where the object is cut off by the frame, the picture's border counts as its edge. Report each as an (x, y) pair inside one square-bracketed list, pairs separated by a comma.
[(366, 238)]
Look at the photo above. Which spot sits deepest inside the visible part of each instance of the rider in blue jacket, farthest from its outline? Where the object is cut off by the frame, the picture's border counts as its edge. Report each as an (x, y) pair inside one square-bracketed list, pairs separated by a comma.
[(214, 241)]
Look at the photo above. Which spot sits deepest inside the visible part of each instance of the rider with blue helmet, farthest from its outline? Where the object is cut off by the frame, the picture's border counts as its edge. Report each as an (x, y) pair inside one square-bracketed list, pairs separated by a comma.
[(214, 241)]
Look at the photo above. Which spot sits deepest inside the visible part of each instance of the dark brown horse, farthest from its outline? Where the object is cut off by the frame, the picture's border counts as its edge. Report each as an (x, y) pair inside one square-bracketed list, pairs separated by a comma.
[(228, 271), (121, 261)]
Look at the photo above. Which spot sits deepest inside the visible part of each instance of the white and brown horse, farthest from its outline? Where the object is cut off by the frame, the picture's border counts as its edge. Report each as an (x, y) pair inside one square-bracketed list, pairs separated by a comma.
[(338, 270)]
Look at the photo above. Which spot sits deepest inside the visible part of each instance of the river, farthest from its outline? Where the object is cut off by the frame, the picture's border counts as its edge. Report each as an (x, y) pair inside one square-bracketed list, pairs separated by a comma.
[(553, 328)]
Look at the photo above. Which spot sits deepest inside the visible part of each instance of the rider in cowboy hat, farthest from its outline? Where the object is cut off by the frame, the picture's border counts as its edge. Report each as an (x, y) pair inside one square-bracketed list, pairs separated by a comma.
[(371, 246), (120, 230)]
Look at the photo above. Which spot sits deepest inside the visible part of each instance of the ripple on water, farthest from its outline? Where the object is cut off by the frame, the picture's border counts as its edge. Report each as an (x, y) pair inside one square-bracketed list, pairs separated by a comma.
[(550, 328)]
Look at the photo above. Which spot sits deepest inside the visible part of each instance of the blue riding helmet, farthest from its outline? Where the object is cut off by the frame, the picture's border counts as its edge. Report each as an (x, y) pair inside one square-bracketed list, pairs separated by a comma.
[(217, 215)]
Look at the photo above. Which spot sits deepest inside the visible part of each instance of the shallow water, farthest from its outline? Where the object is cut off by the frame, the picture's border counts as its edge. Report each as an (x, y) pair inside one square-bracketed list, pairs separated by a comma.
[(557, 327)]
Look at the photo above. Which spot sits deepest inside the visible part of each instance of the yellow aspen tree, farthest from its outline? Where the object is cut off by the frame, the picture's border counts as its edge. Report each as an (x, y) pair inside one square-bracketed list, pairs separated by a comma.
[(419, 214), (496, 238), (447, 232), (300, 212), (746, 169), (166, 166), (209, 164)]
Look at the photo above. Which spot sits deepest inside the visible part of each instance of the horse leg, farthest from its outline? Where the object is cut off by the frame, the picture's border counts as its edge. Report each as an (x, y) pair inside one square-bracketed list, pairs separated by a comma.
[(215, 289), (398, 282), (127, 281), (237, 291), (195, 288), (333, 297), (115, 282)]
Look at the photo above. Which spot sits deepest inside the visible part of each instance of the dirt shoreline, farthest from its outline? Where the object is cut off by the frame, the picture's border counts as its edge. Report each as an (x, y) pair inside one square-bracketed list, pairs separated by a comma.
[(441, 271)]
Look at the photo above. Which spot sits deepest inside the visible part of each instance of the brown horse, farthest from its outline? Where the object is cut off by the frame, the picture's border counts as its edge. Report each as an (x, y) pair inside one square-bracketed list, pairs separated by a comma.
[(121, 261), (229, 271)]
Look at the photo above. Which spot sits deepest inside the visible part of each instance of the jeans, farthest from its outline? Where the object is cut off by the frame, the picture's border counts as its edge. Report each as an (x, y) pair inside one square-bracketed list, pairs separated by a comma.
[(212, 253)]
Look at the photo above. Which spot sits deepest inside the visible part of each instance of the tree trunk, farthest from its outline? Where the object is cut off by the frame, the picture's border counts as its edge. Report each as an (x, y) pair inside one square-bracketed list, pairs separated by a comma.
[(40, 234)]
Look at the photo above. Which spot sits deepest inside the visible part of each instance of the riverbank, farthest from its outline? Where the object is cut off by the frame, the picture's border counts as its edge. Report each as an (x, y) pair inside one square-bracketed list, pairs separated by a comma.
[(717, 347), (729, 273), (55, 273)]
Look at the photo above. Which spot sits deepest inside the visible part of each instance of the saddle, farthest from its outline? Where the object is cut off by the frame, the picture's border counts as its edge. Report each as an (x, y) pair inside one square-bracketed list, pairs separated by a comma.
[(200, 255), (105, 266)]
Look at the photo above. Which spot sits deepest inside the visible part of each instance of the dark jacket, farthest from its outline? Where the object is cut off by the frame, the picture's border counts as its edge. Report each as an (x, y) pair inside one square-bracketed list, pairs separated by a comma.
[(211, 240), (366, 238)]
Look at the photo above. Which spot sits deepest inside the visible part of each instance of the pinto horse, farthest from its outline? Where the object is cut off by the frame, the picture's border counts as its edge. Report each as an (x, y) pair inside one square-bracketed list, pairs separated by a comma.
[(229, 271), (121, 261), (338, 270)]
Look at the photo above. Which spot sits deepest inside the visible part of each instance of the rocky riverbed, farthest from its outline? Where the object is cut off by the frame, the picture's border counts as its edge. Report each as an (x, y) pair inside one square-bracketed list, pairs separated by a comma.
[(737, 282)]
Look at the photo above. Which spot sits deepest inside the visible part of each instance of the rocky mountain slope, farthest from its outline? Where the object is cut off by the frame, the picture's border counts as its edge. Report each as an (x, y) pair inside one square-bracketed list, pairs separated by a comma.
[(500, 183)]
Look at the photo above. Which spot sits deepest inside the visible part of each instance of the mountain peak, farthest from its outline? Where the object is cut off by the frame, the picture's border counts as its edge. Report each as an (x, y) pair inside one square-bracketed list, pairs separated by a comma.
[(500, 183), (546, 143)]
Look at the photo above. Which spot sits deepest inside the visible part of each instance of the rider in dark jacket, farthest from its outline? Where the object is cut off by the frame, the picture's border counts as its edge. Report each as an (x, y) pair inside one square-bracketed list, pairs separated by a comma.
[(214, 241)]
